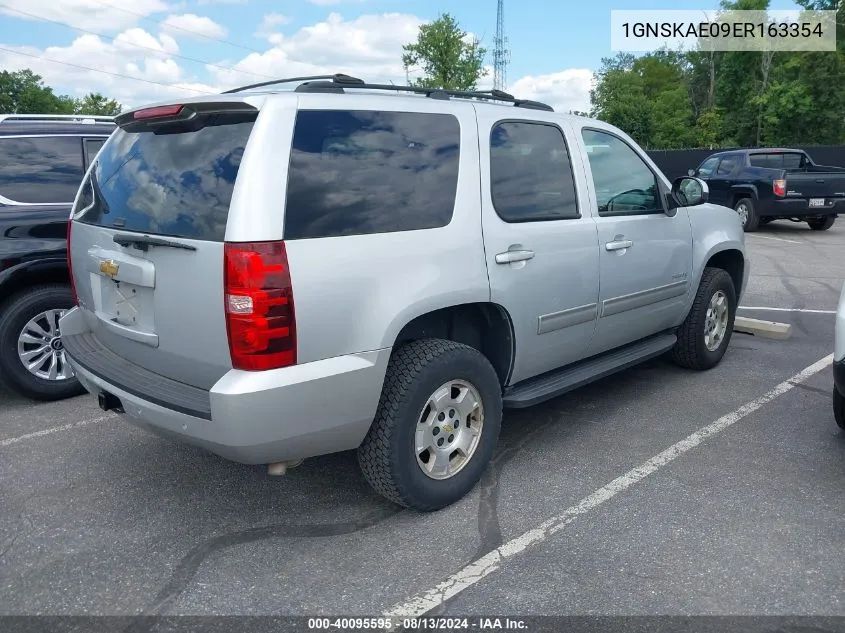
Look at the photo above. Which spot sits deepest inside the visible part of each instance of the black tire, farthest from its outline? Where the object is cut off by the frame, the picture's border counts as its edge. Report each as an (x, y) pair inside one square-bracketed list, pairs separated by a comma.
[(387, 457), (839, 408), (822, 224), (753, 220), (14, 314), (690, 351)]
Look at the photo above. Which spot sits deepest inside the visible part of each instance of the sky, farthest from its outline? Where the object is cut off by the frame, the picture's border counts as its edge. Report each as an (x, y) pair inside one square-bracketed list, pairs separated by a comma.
[(144, 51)]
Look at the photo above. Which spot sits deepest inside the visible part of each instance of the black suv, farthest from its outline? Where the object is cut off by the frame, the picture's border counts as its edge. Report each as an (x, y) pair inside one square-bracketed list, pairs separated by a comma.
[(42, 161)]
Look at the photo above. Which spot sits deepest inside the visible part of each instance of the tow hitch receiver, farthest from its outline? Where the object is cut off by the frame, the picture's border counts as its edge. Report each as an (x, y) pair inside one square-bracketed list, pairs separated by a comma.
[(109, 402)]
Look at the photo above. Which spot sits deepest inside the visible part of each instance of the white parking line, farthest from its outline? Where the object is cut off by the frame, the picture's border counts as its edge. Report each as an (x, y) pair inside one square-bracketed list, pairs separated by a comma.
[(807, 310), (489, 563), (55, 429), (778, 239)]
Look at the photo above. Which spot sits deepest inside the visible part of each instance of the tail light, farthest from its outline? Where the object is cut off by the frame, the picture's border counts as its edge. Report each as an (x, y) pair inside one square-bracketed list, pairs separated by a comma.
[(70, 264), (779, 187), (158, 112), (260, 319)]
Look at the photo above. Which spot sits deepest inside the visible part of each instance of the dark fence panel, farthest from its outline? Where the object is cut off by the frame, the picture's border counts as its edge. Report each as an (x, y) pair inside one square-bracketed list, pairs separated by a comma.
[(676, 162)]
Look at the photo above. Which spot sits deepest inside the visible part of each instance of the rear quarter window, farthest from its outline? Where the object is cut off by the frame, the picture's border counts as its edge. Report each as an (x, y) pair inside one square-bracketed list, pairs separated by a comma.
[(363, 172), (40, 169)]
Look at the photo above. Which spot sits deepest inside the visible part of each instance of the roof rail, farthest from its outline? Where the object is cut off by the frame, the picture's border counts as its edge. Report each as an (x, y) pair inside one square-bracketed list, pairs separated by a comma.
[(337, 82), (338, 78), (67, 118)]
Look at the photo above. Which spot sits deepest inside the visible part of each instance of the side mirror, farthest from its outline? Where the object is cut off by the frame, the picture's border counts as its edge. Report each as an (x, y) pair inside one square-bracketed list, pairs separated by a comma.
[(690, 172), (688, 191)]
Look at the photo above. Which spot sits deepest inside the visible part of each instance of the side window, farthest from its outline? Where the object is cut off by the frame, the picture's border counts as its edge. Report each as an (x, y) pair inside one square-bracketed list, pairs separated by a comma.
[(707, 167), (359, 172), (727, 166), (624, 183), (531, 173), (92, 146), (40, 170), (793, 161)]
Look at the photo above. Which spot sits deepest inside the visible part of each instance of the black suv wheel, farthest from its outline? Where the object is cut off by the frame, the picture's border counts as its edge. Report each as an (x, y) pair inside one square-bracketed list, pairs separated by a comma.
[(32, 357)]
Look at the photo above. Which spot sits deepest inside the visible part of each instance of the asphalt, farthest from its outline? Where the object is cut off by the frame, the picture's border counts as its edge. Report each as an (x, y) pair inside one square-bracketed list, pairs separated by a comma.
[(102, 518)]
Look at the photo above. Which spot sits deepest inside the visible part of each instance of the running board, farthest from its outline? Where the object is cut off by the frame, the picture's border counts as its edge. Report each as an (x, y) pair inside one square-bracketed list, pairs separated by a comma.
[(550, 385)]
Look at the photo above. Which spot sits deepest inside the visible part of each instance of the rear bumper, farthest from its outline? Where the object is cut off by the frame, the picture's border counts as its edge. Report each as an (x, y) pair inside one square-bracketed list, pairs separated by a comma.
[(253, 417), (800, 208)]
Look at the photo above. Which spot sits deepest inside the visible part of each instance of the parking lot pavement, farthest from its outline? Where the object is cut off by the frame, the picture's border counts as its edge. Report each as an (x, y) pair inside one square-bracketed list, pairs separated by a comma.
[(102, 518)]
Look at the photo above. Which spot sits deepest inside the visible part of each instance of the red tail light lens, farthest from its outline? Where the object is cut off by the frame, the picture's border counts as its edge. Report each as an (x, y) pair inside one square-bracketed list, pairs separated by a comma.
[(158, 112), (260, 318), (779, 187), (70, 264)]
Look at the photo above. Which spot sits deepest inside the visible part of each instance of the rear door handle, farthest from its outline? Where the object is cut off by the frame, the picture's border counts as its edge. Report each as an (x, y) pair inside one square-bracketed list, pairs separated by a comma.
[(509, 257), (618, 245)]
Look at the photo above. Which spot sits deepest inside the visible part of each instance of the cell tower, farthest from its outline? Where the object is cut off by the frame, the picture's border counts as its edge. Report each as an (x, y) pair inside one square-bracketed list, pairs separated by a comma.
[(501, 54)]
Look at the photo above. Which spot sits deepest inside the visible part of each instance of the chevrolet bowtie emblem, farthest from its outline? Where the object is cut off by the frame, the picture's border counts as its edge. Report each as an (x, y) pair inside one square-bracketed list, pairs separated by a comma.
[(448, 428), (109, 268)]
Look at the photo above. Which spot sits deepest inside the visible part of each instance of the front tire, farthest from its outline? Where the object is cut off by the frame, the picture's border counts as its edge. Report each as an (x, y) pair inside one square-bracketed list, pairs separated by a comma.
[(436, 427), (822, 224), (839, 408), (704, 336), (747, 213), (32, 359)]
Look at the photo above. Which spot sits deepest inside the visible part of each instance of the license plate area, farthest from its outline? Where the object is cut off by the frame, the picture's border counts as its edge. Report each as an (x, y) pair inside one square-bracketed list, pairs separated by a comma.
[(817, 202)]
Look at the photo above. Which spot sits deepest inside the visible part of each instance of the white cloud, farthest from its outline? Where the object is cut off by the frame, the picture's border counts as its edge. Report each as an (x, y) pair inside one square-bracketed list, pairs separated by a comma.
[(92, 64), (329, 3), (564, 90), (189, 24), (269, 23), (369, 47), (86, 14)]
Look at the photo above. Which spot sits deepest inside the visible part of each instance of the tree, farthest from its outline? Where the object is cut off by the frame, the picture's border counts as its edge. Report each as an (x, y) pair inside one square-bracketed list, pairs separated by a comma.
[(447, 58), (96, 104), (24, 92)]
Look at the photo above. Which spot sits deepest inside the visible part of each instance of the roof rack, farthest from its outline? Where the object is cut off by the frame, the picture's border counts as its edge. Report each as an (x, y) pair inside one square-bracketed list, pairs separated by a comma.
[(337, 82), (66, 118), (337, 78)]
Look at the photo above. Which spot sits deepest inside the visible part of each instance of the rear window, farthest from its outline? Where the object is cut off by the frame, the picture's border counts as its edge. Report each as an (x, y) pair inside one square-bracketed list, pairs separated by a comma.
[(359, 172), (174, 184), (40, 170)]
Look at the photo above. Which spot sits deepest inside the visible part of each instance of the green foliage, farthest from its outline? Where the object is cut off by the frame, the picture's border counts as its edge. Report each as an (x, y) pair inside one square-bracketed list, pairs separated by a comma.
[(714, 99), (447, 58), (24, 92)]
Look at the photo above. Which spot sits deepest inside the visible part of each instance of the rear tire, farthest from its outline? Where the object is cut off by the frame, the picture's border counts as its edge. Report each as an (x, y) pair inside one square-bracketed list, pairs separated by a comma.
[(822, 224), (417, 399), (705, 334), (839, 408), (747, 214), (15, 314)]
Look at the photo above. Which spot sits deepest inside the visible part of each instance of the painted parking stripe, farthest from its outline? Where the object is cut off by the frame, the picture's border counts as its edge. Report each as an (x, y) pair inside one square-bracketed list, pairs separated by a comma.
[(55, 429), (489, 563), (778, 239), (807, 310)]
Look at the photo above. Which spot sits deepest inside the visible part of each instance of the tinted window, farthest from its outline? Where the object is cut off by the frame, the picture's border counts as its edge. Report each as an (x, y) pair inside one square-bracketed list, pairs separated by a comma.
[(40, 169), (92, 146), (356, 172), (727, 165), (707, 167), (623, 182), (792, 160), (530, 173), (177, 184)]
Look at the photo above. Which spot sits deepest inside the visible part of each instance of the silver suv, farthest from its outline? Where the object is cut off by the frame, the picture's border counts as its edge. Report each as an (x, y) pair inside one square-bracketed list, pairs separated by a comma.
[(279, 274)]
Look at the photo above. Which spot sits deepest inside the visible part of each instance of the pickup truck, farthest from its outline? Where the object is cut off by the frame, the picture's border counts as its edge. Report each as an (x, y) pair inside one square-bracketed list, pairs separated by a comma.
[(762, 185), (43, 158)]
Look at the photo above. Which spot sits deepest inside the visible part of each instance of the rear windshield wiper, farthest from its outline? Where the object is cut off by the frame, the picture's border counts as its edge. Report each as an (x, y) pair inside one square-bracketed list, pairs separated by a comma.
[(143, 242)]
